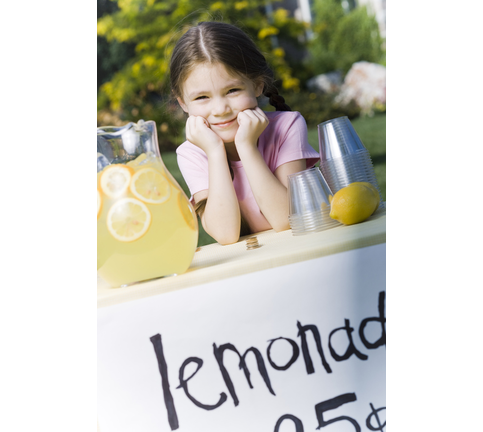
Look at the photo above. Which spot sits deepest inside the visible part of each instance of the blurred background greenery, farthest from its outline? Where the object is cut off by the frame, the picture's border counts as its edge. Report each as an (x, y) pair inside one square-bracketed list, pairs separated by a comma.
[(135, 39)]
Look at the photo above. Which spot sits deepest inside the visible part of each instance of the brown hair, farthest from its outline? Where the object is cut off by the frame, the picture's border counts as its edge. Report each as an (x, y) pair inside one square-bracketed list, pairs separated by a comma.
[(217, 42), (221, 43)]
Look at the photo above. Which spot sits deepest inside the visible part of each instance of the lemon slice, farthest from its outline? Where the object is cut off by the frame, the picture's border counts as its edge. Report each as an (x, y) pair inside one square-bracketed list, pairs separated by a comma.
[(138, 160), (128, 219), (115, 180), (99, 203), (150, 186), (187, 212)]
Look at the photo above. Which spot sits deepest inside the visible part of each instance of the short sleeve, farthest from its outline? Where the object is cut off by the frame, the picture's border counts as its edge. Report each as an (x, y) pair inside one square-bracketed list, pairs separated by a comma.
[(193, 164), (287, 140)]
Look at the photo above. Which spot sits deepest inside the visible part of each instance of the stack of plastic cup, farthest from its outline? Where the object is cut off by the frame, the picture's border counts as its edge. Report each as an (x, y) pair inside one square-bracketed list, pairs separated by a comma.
[(309, 203), (343, 157)]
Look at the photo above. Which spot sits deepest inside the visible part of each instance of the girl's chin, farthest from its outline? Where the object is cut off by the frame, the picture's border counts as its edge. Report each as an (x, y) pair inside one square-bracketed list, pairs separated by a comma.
[(227, 137)]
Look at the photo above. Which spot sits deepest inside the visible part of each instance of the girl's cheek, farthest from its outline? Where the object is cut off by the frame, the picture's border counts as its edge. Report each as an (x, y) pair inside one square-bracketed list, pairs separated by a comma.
[(249, 102), (194, 111)]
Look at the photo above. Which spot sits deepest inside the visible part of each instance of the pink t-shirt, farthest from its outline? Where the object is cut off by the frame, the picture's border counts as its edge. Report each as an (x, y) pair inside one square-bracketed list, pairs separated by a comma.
[(284, 140)]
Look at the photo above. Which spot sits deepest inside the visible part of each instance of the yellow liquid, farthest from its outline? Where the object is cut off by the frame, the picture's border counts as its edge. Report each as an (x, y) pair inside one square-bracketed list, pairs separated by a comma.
[(166, 248)]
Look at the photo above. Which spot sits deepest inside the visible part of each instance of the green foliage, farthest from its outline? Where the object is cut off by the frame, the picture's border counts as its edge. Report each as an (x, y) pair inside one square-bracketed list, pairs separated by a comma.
[(327, 16), (317, 107), (342, 39), (110, 56), (140, 88)]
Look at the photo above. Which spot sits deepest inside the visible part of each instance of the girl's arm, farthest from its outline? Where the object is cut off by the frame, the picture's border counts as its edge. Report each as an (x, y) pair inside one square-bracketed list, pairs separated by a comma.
[(270, 190), (221, 217)]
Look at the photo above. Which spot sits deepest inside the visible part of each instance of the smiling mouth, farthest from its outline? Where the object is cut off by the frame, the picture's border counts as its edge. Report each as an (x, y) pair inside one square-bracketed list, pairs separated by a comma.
[(224, 124)]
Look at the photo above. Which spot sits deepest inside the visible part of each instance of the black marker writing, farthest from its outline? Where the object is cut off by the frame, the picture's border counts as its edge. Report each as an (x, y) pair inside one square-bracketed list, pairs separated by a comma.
[(183, 383), (218, 351), (334, 403), (305, 350), (373, 422), (299, 427), (376, 416), (381, 319), (351, 349), (163, 370), (295, 353)]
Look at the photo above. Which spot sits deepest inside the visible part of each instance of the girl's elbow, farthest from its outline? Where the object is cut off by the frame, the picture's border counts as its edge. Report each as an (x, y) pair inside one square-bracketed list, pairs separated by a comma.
[(227, 239), (281, 226), (228, 242), (224, 234)]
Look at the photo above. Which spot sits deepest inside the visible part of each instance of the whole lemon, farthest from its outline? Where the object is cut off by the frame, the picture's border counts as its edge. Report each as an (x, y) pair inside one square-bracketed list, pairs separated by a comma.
[(369, 185), (354, 203)]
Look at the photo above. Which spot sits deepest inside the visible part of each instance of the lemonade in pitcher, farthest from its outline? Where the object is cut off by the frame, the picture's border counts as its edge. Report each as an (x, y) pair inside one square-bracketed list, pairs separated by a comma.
[(146, 227)]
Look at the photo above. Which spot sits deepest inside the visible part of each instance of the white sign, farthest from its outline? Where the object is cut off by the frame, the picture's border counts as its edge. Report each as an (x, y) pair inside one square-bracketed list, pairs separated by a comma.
[(295, 348)]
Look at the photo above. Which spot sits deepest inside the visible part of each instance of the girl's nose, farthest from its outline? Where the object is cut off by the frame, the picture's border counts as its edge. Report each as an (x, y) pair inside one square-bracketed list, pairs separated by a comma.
[(220, 106)]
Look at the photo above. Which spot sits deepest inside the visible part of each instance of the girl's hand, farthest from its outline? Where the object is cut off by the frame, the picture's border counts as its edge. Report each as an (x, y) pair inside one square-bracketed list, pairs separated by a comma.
[(251, 122), (198, 132)]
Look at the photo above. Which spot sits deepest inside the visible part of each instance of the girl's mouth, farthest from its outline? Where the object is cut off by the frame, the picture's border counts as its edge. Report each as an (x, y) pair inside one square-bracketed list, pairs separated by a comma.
[(224, 125)]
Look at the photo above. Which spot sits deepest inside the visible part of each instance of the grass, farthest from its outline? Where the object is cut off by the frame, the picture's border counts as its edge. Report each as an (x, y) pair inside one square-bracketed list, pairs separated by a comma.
[(371, 130)]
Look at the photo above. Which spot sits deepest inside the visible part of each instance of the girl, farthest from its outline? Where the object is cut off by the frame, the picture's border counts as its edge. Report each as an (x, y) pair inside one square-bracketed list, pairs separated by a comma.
[(236, 158)]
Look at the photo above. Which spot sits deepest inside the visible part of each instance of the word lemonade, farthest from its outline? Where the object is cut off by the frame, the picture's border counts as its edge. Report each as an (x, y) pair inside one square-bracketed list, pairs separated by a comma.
[(146, 227)]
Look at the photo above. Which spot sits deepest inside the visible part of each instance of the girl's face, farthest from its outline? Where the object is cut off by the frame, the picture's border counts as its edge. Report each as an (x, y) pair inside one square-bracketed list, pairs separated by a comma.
[(211, 92)]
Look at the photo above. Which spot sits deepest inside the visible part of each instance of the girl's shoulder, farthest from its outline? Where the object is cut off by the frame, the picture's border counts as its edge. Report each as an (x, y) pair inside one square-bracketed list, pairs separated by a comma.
[(281, 122), (277, 116)]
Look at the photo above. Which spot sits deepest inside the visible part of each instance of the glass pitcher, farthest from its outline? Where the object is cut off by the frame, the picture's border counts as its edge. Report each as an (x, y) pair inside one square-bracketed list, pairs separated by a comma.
[(146, 227)]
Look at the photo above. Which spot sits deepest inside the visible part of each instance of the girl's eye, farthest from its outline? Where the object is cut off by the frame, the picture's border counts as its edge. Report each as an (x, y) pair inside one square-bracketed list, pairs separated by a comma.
[(233, 90), (200, 97)]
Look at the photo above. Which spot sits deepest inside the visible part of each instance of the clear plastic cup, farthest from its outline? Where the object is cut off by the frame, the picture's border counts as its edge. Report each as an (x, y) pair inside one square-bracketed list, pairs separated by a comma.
[(343, 157), (337, 137), (309, 202)]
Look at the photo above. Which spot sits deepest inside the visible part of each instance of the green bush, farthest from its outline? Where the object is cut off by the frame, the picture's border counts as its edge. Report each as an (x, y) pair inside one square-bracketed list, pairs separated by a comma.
[(152, 27), (341, 39), (317, 107), (357, 39)]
